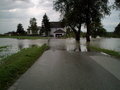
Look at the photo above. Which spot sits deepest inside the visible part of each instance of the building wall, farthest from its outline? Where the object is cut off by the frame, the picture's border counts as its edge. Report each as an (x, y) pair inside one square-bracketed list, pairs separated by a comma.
[(59, 33), (51, 33), (55, 29)]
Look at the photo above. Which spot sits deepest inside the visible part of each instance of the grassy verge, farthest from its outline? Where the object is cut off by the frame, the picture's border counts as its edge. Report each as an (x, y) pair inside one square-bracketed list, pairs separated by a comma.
[(24, 37), (110, 52), (15, 65)]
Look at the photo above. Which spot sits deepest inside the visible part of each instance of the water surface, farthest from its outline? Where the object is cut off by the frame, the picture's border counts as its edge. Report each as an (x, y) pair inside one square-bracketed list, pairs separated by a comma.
[(15, 45), (107, 43)]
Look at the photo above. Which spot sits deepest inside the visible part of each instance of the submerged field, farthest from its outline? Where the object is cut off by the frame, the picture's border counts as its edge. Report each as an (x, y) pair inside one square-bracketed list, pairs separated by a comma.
[(12, 67)]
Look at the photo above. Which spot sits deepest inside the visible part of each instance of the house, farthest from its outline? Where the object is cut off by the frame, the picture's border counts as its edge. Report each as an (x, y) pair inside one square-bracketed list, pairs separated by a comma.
[(57, 29)]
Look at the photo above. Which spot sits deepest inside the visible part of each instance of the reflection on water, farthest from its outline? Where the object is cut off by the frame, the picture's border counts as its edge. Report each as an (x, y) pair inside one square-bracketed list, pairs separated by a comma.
[(107, 43), (69, 44), (16, 45), (72, 45)]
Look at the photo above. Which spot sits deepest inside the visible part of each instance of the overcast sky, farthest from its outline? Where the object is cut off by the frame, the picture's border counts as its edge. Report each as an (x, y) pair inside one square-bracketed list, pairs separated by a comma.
[(13, 12)]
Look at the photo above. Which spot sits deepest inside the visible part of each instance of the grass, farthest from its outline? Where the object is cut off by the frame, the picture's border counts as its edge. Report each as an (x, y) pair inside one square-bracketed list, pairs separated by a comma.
[(2, 47), (110, 52), (15, 65), (24, 37)]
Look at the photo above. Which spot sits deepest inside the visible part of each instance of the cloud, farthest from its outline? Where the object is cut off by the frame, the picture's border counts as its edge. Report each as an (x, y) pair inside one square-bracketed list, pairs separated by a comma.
[(20, 11), (11, 4), (110, 22), (13, 12)]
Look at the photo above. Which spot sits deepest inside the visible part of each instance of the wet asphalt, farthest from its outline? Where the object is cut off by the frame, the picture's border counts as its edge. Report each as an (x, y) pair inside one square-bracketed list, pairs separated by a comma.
[(59, 69)]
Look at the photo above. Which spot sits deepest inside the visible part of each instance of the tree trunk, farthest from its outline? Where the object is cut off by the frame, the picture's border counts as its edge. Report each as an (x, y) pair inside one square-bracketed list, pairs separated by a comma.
[(88, 32), (88, 46), (88, 22), (77, 37), (78, 48), (77, 34)]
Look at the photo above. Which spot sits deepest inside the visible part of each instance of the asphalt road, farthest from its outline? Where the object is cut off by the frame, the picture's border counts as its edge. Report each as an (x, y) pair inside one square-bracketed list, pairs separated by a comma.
[(59, 69)]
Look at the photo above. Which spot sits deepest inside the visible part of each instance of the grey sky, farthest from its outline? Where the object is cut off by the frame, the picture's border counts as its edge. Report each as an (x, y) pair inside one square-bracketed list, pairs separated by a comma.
[(13, 12)]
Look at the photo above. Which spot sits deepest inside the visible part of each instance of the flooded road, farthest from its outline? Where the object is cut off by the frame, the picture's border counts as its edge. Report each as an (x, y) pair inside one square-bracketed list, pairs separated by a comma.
[(58, 69), (15, 45), (71, 45)]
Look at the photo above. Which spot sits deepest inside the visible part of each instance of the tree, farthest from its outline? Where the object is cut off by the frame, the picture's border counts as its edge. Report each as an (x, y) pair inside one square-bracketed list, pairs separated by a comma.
[(101, 32), (97, 29), (117, 30), (20, 29), (77, 12), (71, 11), (94, 11), (46, 25), (33, 26)]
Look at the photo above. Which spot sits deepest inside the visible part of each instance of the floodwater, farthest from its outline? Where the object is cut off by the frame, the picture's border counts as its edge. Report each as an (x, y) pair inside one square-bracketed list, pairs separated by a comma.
[(106, 43), (15, 45)]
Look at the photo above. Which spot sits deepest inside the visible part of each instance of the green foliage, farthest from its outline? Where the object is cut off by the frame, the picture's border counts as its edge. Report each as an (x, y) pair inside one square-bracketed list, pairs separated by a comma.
[(33, 26), (69, 33), (101, 32), (20, 30), (45, 25), (117, 30), (110, 52), (98, 30), (2, 48), (15, 65), (71, 12), (24, 37)]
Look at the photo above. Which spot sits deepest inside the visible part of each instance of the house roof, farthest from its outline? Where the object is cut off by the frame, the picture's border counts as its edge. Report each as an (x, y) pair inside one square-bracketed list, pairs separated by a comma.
[(56, 25), (59, 31)]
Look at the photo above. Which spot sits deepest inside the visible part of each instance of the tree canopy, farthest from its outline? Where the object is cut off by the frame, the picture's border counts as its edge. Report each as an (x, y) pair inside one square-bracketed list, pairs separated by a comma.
[(98, 29), (71, 13), (46, 25), (33, 26), (20, 29), (78, 12)]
